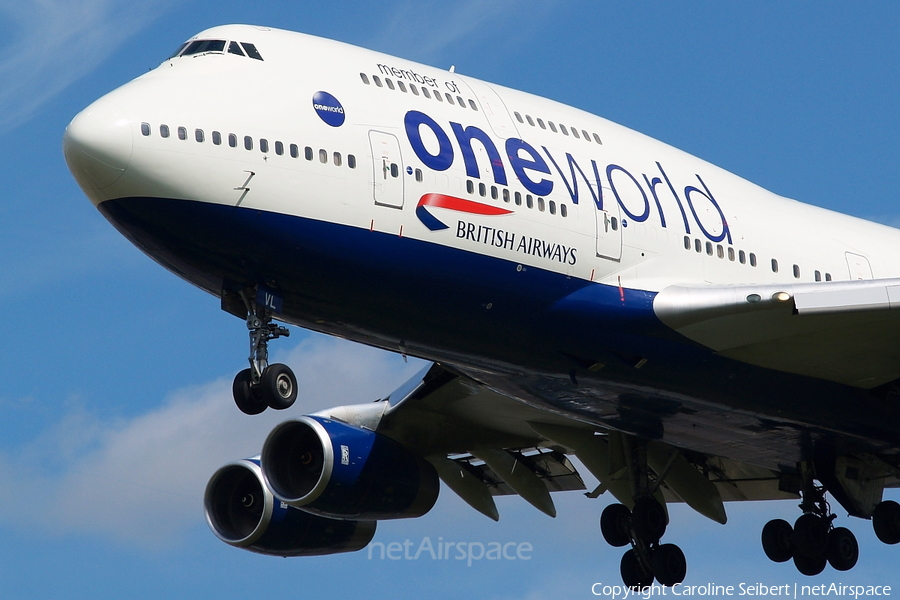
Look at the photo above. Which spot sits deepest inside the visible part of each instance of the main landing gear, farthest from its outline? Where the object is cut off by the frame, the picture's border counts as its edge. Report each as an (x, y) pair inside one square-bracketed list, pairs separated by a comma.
[(642, 527), (263, 385), (814, 542)]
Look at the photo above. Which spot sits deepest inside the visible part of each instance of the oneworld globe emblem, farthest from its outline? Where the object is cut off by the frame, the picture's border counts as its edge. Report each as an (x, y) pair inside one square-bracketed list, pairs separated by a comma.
[(328, 108)]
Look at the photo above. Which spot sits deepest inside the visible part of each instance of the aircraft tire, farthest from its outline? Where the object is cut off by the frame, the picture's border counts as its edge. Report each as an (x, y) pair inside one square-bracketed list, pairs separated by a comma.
[(810, 537), (614, 525), (669, 564), (776, 540), (809, 565), (633, 574), (886, 522), (843, 550), (278, 386), (245, 397), (648, 519)]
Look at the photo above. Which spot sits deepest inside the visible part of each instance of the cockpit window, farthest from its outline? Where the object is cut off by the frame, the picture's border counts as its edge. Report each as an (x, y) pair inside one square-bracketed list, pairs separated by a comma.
[(251, 50), (180, 48), (245, 49), (199, 46)]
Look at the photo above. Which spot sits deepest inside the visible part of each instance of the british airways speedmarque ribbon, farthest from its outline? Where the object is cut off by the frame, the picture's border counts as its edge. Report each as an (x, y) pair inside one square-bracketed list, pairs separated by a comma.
[(452, 203)]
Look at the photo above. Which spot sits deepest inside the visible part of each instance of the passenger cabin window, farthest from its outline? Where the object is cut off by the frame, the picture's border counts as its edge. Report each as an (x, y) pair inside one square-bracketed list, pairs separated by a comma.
[(774, 266), (279, 148), (198, 135), (164, 131), (232, 140), (263, 145), (145, 129), (796, 272), (182, 133), (248, 142), (364, 78), (351, 162), (216, 138), (295, 151)]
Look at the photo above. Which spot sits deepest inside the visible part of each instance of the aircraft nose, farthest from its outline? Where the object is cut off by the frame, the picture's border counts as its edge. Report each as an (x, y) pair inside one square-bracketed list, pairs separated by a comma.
[(98, 144)]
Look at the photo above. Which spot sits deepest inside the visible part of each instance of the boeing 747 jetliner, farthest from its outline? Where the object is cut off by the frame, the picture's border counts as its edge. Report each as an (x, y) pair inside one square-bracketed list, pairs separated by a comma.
[(579, 288)]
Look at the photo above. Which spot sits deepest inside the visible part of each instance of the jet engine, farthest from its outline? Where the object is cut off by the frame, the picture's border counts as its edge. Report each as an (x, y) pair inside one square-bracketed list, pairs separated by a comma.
[(341, 471), (243, 513)]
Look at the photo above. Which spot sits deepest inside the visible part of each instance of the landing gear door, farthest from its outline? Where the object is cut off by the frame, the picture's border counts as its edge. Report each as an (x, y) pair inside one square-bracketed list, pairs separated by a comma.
[(387, 169), (609, 232)]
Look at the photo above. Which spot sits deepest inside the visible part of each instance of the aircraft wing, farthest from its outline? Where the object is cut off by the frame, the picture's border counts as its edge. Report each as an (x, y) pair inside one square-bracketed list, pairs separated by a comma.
[(484, 444), (845, 331)]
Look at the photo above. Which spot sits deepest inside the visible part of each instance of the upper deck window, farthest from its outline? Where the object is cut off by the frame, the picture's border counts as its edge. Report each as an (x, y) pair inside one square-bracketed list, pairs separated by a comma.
[(200, 46)]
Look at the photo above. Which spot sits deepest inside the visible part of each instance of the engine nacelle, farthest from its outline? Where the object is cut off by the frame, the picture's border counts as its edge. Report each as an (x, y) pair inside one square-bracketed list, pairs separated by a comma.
[(341, 471), (243, 513)]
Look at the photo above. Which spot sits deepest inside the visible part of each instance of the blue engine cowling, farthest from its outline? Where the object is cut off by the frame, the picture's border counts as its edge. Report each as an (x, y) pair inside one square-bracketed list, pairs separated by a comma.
[(341, 471), (243, 513)]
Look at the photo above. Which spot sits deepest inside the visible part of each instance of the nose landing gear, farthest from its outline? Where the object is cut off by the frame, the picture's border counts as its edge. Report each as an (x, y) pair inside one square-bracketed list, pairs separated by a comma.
[(263, 385)]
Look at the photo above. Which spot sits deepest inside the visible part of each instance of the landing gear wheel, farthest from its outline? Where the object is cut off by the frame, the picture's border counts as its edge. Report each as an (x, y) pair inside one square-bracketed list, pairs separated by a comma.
[(633, 574), (278, 386), (843, 551), (614, 523), (808, 565), (245, 395), (776, 540), (648, 519), (886, 522), (810, 536), (669, 564)]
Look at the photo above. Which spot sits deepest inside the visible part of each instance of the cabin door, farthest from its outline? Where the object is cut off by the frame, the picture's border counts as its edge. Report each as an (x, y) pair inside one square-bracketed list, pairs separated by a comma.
[(387, 177)]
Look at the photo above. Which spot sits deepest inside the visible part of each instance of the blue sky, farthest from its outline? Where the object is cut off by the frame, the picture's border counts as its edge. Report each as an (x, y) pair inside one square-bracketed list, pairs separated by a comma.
[(116, 408)]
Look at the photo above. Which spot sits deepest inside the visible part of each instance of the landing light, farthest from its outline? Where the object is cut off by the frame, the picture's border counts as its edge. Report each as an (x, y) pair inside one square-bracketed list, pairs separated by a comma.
[(781, 296)]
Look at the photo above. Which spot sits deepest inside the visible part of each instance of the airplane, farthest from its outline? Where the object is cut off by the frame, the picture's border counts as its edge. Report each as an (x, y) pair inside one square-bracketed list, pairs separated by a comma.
[(579, 289)]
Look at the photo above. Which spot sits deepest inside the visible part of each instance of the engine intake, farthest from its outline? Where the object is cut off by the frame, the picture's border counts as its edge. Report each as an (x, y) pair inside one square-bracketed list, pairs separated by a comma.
[(341, 471), (243, 513)]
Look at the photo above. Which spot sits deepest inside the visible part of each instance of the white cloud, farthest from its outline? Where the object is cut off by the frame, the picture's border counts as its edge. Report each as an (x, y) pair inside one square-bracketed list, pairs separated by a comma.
[(142, 480), (52, 43)]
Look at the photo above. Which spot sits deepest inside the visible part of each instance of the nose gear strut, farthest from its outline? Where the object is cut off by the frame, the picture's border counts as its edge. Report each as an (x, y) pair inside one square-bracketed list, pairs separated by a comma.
[(263, 385)]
